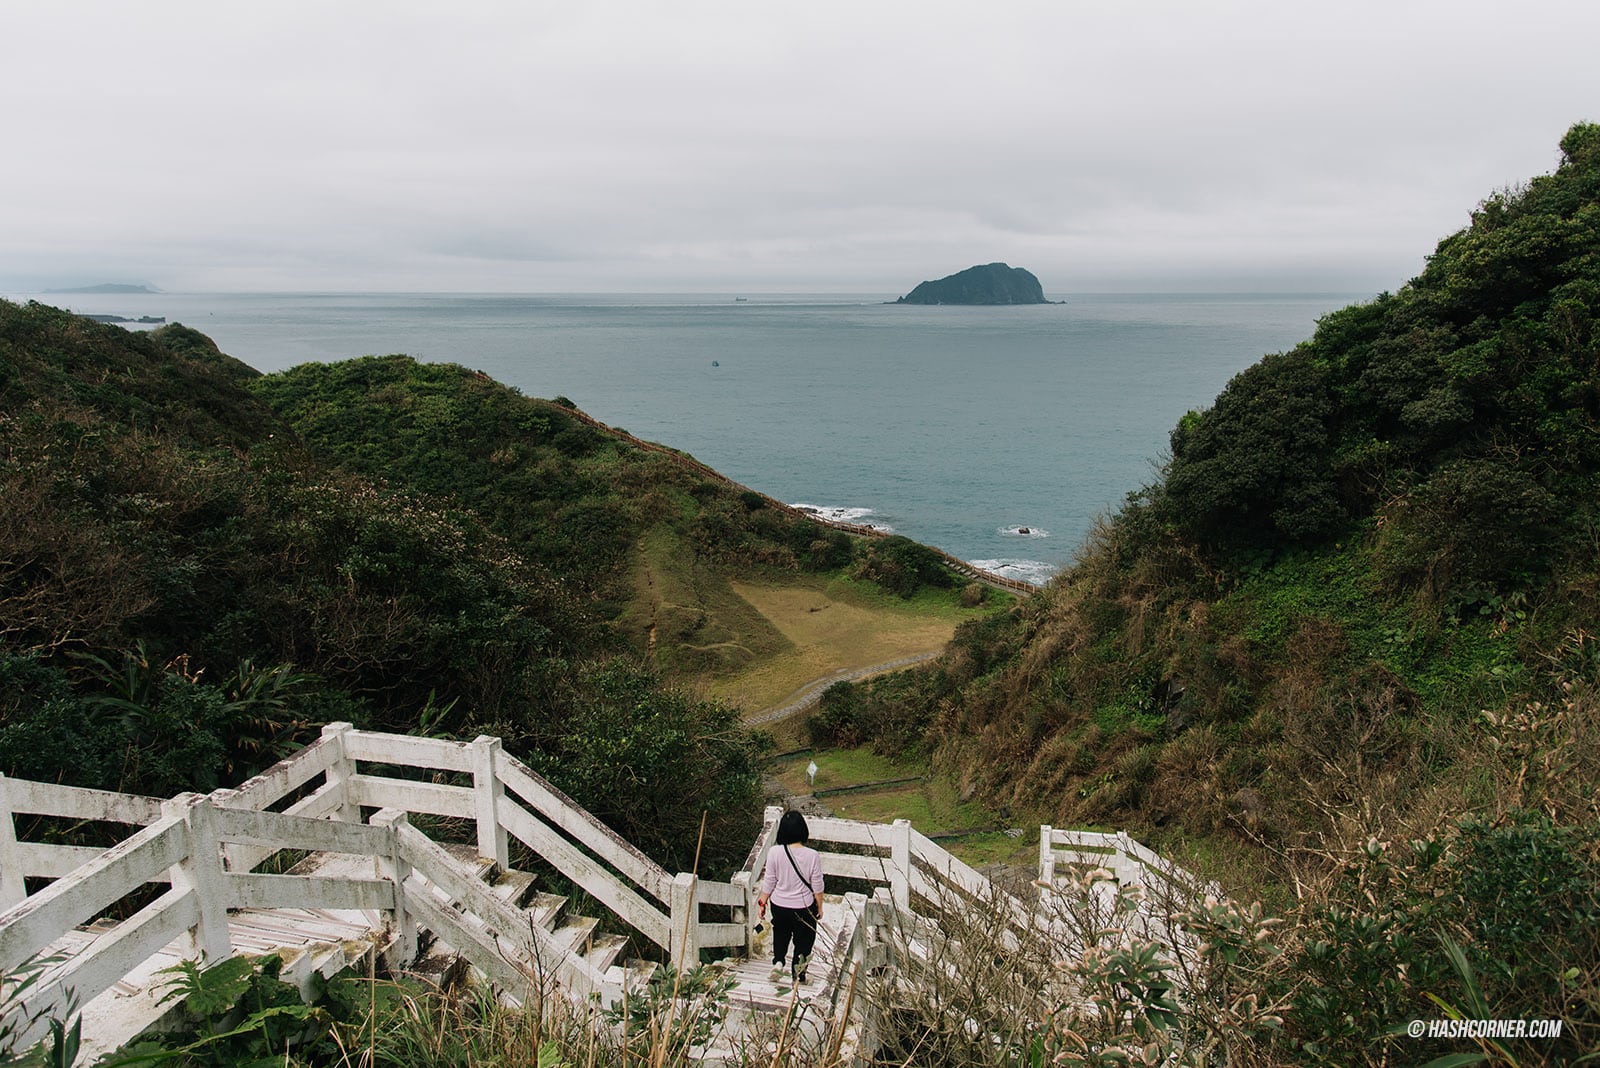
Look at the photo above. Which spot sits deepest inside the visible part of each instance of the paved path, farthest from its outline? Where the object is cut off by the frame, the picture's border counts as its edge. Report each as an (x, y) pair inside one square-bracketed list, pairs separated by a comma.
[(812, 692)]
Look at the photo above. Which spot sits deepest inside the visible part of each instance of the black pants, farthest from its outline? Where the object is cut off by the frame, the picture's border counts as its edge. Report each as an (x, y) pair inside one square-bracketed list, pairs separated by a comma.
[(798, 924)]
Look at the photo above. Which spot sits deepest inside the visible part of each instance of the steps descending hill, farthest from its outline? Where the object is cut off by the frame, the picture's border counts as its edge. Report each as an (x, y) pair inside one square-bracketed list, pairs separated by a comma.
[(377, 890)]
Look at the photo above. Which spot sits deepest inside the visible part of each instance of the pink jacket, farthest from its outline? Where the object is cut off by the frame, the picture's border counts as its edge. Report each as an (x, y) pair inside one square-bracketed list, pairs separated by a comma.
[(783, 885)]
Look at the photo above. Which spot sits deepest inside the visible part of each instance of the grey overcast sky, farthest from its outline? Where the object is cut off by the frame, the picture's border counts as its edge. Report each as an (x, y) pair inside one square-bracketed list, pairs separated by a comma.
[(861, 146)]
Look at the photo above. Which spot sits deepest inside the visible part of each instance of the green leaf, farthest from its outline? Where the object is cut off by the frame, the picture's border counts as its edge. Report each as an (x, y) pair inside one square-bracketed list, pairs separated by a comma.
[(212, 992), (550, 1057), (1458, 961)]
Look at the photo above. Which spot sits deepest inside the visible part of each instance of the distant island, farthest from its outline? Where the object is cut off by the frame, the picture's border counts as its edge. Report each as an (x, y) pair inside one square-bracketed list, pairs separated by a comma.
[(107, 287), (991, 283), (124, 319)]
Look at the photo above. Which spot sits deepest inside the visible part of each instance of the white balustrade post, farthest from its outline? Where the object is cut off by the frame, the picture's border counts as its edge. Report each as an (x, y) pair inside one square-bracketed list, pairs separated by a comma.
[(769, 838), (900, 862), (202, 874), (12, 888), (746, 913), (881, 918), (1128, 867), (394, 867), (685, 921), (1047, 865), (340, 772), (236, 856), (488, 792)]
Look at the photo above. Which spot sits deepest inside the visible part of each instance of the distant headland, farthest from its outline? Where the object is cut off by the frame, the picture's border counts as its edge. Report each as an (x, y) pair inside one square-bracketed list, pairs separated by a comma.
[(990, 283), (107, 287)]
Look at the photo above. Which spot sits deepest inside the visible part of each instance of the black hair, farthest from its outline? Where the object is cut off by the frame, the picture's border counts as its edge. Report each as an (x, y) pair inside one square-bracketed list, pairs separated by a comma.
[(792, 829)]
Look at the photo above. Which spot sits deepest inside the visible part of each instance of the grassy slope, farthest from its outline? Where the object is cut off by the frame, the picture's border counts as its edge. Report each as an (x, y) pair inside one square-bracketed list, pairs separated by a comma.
[(170, 549), (831, 624), (654, 542), (933, 806), (687, 615), (755, 642)]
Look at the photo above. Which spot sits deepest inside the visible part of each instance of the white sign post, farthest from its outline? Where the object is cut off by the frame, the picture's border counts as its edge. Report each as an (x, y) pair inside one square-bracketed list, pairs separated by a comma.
[(811, 773)]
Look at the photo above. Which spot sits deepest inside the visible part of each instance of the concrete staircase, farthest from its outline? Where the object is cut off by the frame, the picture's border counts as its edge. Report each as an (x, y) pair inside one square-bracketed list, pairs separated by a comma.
[(569, 934), (317, 860)]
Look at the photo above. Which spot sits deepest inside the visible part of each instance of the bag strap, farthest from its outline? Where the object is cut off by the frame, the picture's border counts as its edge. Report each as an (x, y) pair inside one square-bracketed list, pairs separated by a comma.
[(797, 871)]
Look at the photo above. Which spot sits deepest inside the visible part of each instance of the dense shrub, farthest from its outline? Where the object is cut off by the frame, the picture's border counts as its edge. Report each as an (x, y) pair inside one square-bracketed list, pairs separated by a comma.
[(902, 566), (1474, 526), (834, 724), (144, 727), (1486, 359), (1521, 896), (652, 762), (1253, 471)]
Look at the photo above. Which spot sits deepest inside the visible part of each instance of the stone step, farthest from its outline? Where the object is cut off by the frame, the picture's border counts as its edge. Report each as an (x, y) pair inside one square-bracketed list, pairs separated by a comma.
[(467, 854), (513, 887), (309, 941), (573, 936), (753, 989), (604, 949), (632, 976), (750, 1034), (545, 909)]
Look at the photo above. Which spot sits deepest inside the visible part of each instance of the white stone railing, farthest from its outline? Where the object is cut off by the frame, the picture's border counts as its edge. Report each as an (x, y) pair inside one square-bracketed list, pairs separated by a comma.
[(1168, 890), (182, 848), (23, 859), (508, 800), (196, 858), (894, 856), (205, 850), (1127, 861)]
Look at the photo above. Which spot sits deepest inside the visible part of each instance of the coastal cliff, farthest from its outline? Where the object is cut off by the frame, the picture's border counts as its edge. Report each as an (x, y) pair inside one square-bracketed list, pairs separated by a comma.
[(990, 283)]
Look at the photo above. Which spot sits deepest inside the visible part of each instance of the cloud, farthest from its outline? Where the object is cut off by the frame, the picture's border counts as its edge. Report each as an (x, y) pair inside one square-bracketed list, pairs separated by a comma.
[(830, 145)]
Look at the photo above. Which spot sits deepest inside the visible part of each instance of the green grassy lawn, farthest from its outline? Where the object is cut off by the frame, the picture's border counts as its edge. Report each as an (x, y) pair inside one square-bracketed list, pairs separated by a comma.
[(828, 624), (932, 805)]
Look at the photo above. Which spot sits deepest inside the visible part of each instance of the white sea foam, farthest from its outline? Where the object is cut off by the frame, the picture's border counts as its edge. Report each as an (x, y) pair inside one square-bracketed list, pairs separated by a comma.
[(1035, 571), (1024, 532), (837, 514)]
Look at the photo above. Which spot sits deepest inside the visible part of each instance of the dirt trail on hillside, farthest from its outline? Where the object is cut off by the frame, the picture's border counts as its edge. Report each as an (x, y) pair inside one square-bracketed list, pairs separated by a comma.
[(829, 636), (811, 692)]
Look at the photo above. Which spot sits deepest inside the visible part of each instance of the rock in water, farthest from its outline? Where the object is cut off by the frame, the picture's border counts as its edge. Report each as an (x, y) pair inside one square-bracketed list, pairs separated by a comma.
[(991, 283)]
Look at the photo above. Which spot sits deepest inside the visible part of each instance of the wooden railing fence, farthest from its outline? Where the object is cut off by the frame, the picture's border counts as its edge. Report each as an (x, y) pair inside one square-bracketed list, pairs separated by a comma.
[(196, 857), (204, 849)]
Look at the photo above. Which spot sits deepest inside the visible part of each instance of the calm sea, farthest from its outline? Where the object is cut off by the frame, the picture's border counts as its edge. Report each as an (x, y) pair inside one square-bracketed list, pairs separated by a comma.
[(997, 434)]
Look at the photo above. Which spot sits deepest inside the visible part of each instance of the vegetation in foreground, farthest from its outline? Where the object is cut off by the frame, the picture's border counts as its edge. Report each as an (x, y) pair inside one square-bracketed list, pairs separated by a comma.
[(1343, 653), (1165, 974)]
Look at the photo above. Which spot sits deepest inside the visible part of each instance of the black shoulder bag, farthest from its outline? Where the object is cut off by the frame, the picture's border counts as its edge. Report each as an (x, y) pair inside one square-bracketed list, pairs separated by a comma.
[(816, 906)]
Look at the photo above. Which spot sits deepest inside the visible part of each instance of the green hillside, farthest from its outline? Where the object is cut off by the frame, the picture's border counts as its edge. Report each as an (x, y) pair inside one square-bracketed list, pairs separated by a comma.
[(1359, 607), (187, 591), (591, 505), (200, 565)]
